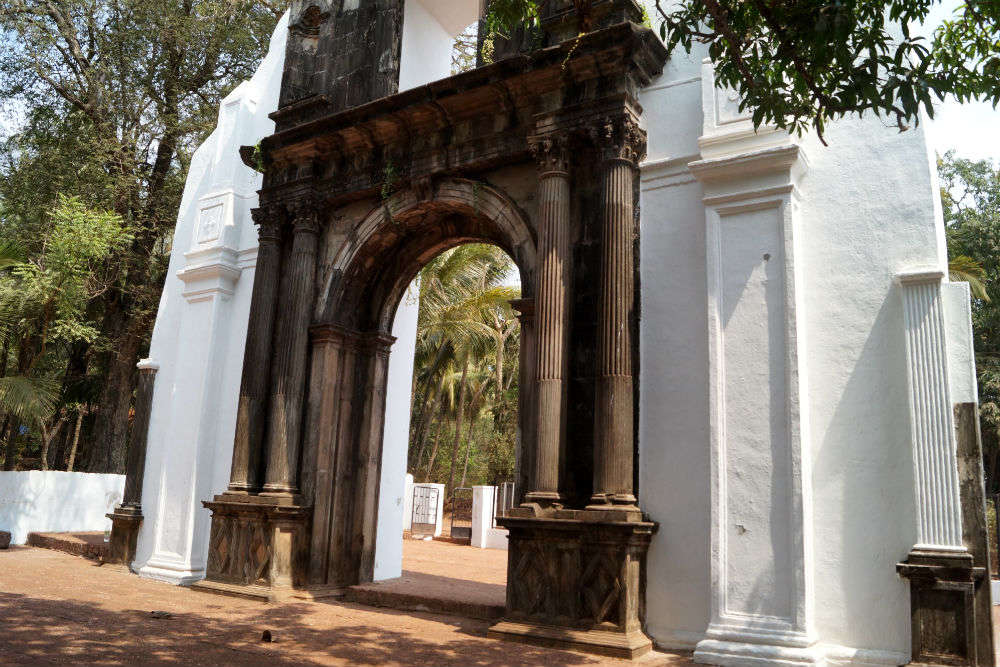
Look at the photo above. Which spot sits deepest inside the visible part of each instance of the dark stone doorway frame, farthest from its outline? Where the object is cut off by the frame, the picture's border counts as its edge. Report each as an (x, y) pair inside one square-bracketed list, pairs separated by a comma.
[(537, 154)]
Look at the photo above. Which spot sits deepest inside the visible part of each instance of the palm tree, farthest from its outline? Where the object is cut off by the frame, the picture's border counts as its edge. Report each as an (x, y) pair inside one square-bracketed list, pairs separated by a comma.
[(465, 323)]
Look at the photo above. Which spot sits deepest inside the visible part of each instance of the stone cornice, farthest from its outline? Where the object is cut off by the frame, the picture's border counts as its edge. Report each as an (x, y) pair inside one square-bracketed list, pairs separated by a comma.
[(920, 276), (741, 165)]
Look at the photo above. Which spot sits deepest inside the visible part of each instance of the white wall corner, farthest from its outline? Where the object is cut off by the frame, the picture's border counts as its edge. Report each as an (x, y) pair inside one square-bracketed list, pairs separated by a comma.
[(961, 352)]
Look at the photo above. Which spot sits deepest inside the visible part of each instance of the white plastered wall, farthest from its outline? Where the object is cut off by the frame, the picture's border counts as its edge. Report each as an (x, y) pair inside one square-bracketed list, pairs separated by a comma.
[(200, 333), (392, 503), (867, 211), (53, 501)]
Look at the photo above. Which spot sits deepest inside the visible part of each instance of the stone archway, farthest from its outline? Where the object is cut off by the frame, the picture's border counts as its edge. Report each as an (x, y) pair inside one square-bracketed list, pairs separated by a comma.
[(350, 351), (538, 154)]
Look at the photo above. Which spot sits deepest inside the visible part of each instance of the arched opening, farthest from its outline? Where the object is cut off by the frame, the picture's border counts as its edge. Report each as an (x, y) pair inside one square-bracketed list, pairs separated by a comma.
[(357, 451), (356, 200), (450, 446)]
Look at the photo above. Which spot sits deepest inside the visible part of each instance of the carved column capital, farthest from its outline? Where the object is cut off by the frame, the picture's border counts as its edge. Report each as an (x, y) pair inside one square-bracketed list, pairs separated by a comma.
[(551, 152), (269, 218), (305, 214), (619, 138)]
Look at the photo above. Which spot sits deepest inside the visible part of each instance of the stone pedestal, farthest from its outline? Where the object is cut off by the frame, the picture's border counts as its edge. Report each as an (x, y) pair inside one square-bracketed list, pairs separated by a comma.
[(943, 606), (576, 579), (125, 523), (258, 548)]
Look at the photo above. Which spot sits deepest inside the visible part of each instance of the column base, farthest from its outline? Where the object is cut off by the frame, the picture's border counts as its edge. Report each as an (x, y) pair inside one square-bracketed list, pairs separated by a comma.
[(544, 499), (944, 625), (734, 653), (576, 578), (125, 523), (258, 547)]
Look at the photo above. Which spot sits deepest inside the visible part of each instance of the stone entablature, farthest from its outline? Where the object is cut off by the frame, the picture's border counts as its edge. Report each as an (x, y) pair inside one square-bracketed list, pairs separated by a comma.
[(471, 122)]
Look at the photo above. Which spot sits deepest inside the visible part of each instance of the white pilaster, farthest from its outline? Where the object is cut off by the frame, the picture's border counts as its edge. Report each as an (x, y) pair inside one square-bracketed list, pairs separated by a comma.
[(932, 432), (761, 542)]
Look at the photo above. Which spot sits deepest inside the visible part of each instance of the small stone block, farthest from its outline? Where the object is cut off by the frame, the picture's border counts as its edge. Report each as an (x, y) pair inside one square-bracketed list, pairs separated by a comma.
[(4, 539)]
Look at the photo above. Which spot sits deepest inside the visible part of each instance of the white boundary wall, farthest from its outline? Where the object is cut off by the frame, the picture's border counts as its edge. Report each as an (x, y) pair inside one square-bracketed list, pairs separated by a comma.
[(51, 501), (484, 534)]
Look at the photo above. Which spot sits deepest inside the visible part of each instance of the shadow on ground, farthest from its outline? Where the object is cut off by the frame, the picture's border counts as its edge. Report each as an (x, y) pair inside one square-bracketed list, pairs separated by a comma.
[(37, 631)]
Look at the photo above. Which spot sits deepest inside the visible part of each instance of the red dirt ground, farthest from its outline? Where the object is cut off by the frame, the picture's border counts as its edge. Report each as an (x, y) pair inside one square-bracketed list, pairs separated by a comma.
[(57, 609)]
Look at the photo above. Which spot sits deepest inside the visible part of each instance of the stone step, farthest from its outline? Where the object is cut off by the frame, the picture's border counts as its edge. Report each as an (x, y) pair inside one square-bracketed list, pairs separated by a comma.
[(414, 592), (87, 544)]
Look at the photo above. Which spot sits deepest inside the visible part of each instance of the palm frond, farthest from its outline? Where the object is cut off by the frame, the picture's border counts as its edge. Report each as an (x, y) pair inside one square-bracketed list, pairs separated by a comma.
[(28, 399), (963, 268)]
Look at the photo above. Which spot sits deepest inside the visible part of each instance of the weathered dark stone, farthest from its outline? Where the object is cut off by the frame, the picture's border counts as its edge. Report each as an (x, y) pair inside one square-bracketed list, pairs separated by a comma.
[(575, 579), (975, 529), (125, 524), (4, 539), (942, 607), (258, 546), (392, 180), (127, 516)]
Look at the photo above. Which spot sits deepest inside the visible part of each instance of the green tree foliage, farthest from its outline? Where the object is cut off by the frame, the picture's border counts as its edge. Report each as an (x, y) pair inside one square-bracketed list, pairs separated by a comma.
[(110, 99), (44, 299), (971, 197), (463, 429), (798, 64)]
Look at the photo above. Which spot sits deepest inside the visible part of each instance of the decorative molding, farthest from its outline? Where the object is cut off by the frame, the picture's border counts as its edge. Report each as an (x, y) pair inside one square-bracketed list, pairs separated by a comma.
[(725, 128), (666, 173), (672, 84), (210, 272), (775, 159)]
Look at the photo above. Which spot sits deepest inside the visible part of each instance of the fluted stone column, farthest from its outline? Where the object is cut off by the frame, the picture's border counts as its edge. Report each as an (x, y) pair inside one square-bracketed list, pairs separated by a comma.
[(622, 145), (291, 352), (127, 516), (552, 304), (254, 388), (935, 461), (135, 468), (524, 461)]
